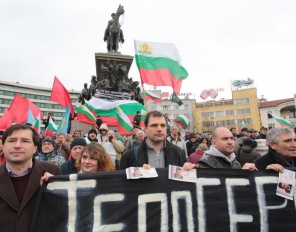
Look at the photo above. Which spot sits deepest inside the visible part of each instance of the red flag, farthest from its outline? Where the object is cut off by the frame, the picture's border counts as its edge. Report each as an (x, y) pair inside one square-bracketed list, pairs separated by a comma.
[(19, 108), (60, 95), (5, 120)]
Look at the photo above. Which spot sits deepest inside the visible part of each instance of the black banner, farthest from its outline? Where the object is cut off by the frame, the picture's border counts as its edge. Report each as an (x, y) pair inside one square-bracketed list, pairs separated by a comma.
[(220, 200)]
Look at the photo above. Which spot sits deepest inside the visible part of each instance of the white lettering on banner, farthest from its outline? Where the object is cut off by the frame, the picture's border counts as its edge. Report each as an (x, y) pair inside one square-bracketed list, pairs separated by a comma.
[(184, 195), (234, 218), (71, 187), (98, 226), (142, 217), (200, 183), (261, 199)]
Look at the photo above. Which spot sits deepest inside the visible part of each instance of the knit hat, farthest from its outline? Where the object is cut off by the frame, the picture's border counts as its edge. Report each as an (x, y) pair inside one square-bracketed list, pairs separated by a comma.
[(93, 131), (78, 141), (49, 141)]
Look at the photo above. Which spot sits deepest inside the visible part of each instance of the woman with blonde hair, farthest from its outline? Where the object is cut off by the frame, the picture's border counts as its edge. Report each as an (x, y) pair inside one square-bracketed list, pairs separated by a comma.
[(94, 159)]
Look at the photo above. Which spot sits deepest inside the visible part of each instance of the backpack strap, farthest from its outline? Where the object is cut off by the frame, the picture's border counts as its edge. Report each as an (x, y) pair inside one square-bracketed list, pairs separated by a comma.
[(136, 156)]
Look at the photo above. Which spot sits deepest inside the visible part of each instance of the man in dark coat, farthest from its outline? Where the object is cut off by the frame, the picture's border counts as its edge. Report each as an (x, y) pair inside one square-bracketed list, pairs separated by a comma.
[(155, 150), (282, 150), (20, 175)]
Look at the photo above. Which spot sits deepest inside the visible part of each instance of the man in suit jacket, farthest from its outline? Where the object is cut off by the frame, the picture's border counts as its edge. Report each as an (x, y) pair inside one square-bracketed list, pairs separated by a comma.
[(20, 175)]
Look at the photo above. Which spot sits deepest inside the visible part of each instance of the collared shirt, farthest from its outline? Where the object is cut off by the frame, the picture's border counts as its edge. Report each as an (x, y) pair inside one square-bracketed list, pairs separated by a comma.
[(156, 158), (12, 174)]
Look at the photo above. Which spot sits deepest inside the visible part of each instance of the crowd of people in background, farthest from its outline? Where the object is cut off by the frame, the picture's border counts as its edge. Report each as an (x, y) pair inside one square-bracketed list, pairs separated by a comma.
[(27, 156)]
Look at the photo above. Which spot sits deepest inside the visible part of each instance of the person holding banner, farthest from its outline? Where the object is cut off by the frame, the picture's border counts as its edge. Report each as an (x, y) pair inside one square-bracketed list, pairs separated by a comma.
[(155, 150), (221, 153), (20, 177), (282, 150)]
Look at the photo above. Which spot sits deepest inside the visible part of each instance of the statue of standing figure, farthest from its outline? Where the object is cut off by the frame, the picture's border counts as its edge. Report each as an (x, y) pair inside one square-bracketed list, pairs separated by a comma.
[(113, 34)]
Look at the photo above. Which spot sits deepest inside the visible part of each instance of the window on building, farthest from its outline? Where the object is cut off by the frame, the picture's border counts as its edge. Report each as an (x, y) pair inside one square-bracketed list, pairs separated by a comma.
[(176, 107), (165, 107), (186, 107), (241, 101), (230, 122), (219, 113), (229, 112), (220, 123), (269, 114), (243, 111), (208, 123), (207, 114), (271, 125)]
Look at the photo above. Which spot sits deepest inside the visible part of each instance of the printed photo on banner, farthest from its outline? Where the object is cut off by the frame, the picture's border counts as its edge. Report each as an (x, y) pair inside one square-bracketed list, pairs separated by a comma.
[(179, 174), (137, 173), (286, 184)]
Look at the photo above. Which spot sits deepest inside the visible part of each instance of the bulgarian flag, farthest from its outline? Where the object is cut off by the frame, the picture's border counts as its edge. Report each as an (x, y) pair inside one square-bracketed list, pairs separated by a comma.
[(242, 125), (51, 127), (151, 96), (107, 109), (160, 64), (142, 118), (37, 124), (182, 121), (124, 123), (283, 122), (84, 114)]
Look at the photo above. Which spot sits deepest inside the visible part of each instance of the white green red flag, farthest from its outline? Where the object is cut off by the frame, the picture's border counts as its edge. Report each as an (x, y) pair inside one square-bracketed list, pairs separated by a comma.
[(84, 114), (37, 124), (151, 96), (107, 109), (242, 125), (124, 123), (182, 121), (142, 118), (51, 127), (283, 122), (159, 64)]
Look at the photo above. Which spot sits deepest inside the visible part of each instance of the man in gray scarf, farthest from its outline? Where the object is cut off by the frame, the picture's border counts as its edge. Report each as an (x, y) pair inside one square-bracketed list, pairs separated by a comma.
[(221, 153)]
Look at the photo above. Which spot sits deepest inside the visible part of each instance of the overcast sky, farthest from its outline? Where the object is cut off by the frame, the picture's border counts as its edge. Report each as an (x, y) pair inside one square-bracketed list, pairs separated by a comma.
[(218, 40)]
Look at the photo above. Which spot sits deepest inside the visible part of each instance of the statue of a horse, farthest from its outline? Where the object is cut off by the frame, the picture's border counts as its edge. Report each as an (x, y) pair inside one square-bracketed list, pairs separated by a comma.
[(115, 31)]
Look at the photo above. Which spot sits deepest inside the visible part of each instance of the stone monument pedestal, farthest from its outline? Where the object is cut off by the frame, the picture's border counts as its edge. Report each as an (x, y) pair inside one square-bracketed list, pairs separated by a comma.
[(103, 58)]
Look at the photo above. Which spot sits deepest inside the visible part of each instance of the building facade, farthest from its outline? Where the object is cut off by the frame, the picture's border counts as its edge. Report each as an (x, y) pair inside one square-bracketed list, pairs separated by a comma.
[(174, 110), (241, 109), (38, 95), (284, 108)]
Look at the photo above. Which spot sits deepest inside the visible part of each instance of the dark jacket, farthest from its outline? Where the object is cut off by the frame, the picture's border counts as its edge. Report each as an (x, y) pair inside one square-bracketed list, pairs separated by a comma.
[(210, 161), (16, 217), (271, 157), (261, 136), (172, 155), (69, 167), (191, 147)]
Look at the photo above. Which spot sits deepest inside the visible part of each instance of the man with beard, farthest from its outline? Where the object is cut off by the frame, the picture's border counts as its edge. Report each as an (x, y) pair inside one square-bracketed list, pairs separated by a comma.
[(92, 136), (48, 154)]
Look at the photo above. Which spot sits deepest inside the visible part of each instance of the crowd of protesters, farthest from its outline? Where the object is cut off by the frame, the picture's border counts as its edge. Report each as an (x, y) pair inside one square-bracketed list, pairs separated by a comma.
[(26, 156)]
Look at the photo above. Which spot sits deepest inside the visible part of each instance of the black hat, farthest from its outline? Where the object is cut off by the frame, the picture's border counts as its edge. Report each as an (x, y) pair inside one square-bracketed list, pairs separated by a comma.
[(252, 130), (192, 135), (49, 141), (249, 142), (78, 141), (138, 127), (93, 131), (245, 129)]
